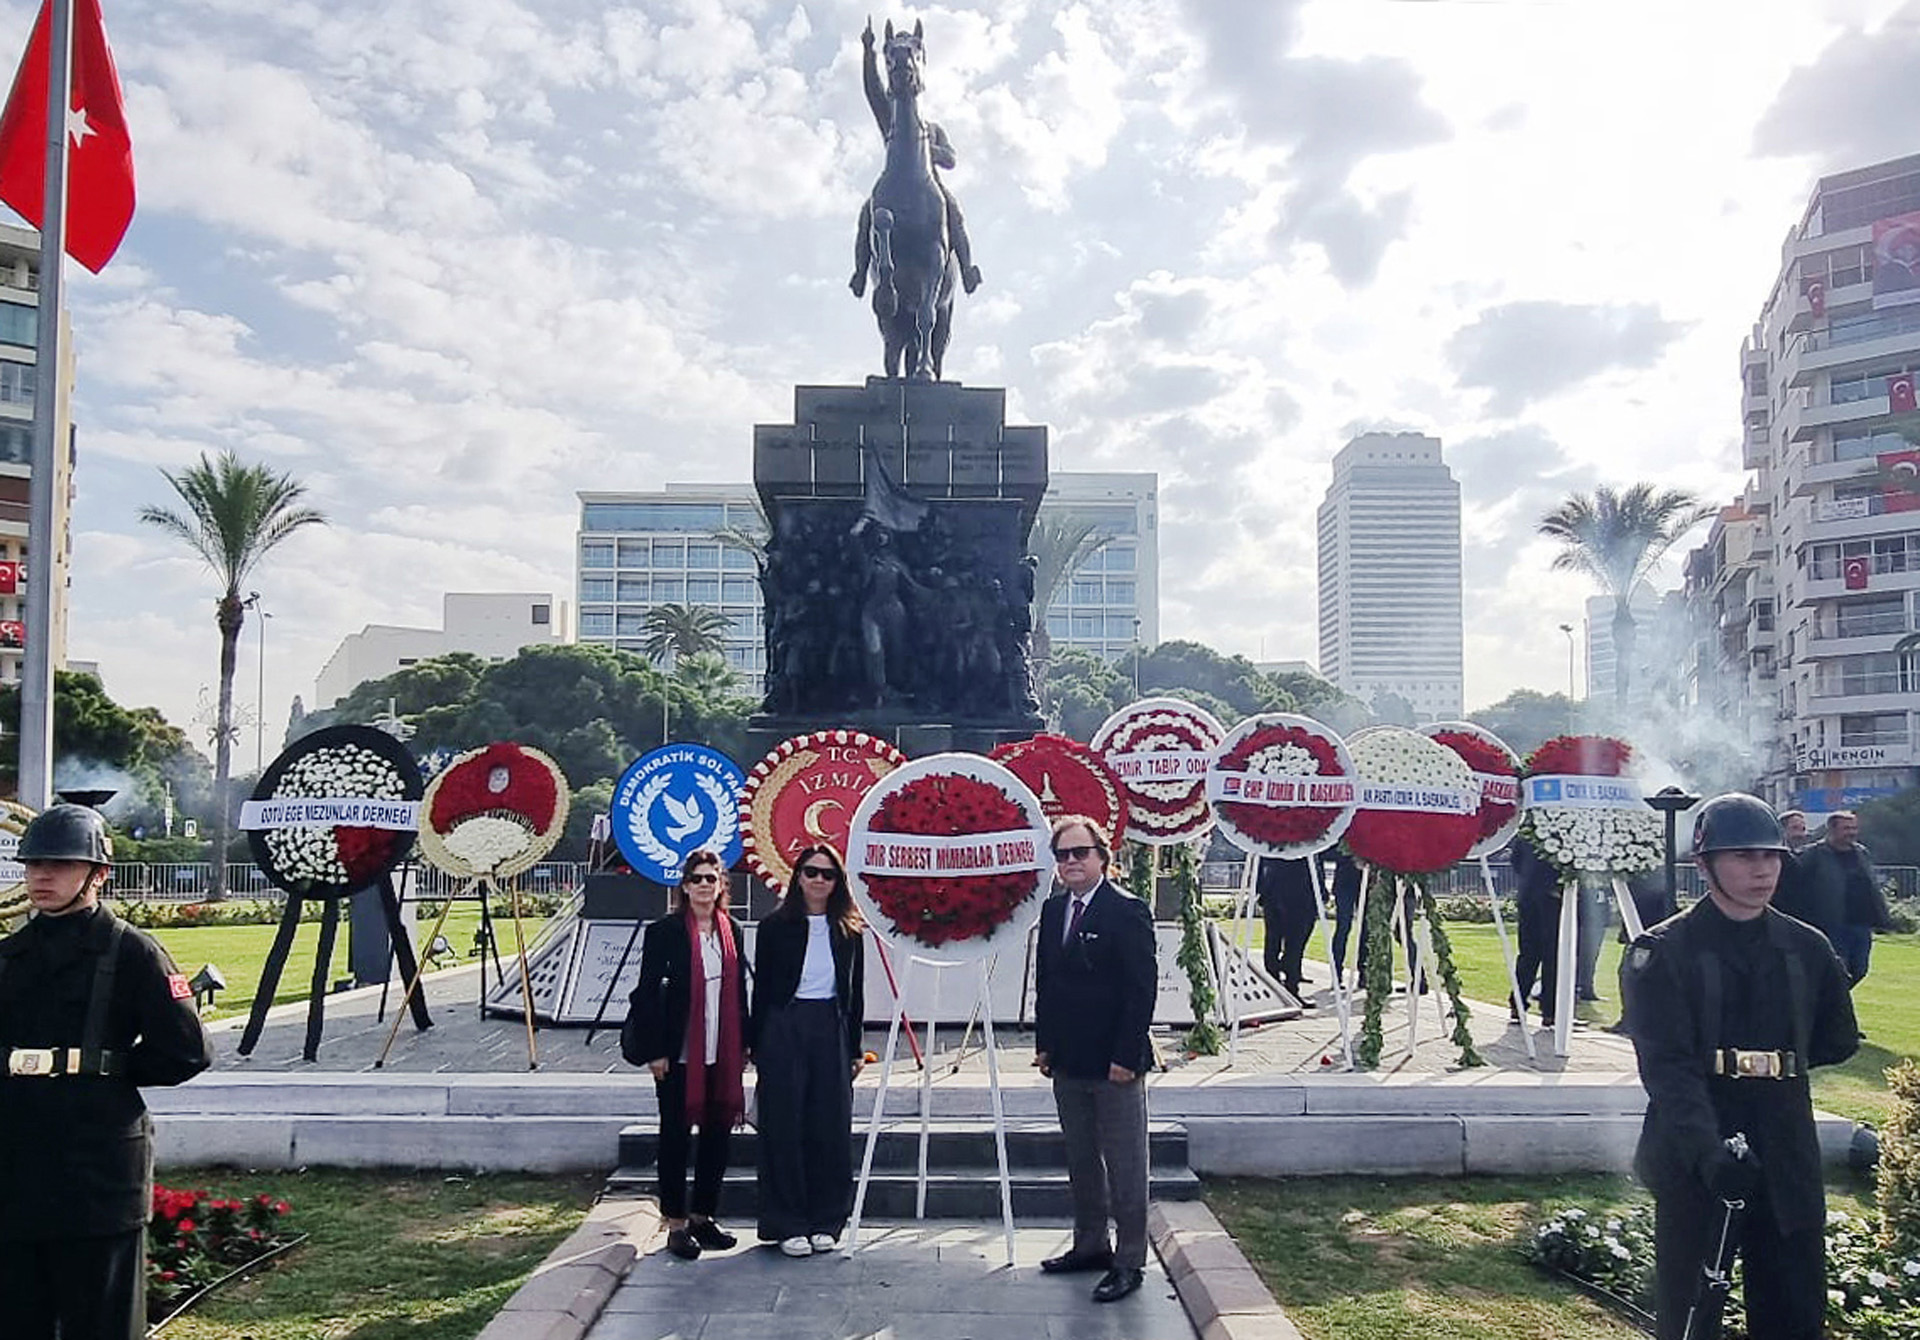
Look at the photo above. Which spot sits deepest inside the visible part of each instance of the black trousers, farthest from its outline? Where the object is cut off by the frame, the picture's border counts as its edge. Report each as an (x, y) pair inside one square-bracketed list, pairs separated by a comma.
[(806, 1121), (1785, 1278), (709, 1148), (1289, 925), (75, 1288), (1539, 933)]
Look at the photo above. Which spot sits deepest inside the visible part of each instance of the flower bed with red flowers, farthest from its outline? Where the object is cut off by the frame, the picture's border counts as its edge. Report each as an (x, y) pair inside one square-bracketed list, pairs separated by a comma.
[(196, 1240), (946, 910), (1489, 757), (1281, 825)]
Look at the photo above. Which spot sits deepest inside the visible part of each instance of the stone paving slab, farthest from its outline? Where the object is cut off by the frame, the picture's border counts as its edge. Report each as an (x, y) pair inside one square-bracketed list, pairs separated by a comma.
[(941, 1281)]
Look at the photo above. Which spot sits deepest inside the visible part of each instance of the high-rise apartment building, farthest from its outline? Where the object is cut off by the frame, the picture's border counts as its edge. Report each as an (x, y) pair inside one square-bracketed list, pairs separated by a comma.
[(20, 383), (1390, 613), (1828, 394), (638, 550)]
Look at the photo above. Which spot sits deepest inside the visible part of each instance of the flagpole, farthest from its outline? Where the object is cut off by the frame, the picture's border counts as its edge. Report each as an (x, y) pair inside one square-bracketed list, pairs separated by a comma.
[(36, 661)]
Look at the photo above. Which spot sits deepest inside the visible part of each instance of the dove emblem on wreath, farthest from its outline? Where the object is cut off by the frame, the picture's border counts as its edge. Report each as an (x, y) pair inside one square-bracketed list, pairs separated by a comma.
[(686, 819)]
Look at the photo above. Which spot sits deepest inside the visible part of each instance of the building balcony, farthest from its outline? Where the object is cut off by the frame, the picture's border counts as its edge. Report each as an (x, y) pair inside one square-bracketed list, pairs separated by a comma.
[(1845, 703), (1854, 518), (1823, 648), (1802, 423), (1848, 295), (1806, 359), (1824, 474), (1757, 447), (1832, 588)]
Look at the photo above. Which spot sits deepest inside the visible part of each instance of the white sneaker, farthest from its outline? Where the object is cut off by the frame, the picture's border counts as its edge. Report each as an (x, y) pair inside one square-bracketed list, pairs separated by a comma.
[(824, 1242), (796, 1246)]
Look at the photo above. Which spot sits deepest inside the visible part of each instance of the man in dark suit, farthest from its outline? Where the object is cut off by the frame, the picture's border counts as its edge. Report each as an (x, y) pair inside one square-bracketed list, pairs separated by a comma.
[(1095, 980), (1288, 891)]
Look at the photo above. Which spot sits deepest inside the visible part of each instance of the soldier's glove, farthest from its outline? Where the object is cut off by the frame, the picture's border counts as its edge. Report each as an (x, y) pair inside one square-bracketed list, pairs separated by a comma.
[(1729, 1177)]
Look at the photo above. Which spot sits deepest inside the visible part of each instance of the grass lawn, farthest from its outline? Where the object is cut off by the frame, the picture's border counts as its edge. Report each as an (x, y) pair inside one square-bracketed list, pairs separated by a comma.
[(240, 952), (1418, 1258), (1884, 1002), (420, 1256)]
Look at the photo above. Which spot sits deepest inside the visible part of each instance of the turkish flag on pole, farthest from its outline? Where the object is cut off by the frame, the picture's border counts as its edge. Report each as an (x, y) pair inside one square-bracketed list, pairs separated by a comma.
[(99, 151)]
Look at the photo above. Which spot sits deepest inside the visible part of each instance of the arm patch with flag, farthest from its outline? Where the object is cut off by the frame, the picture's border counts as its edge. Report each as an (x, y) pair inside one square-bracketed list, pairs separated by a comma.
[(179, 986), (99, 150)]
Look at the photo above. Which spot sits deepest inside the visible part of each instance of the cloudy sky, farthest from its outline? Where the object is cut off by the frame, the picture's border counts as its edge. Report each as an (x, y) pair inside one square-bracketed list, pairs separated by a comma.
[(449, 261)]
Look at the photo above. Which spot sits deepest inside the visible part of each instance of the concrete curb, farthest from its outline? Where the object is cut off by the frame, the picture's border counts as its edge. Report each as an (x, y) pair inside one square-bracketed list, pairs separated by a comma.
[(1225, 1299), (570, 1289)]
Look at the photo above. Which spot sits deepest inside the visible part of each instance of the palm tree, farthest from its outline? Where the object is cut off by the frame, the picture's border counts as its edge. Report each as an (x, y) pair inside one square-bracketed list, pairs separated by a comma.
[(235, 515), (683, 631), (1060, 542), (1617, 538)]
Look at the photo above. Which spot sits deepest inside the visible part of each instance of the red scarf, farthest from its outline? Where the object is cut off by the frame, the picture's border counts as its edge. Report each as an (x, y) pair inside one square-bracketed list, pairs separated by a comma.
[(730, 1102)]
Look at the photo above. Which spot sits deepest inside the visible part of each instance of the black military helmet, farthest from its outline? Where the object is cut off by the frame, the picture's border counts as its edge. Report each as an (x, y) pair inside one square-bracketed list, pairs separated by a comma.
[(66, 833), (1736, 822)]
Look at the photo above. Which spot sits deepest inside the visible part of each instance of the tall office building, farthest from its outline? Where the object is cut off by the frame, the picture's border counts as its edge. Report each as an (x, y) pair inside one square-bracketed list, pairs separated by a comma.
[(1390, 615), (1828, 398), (20, 383), (638, 550)]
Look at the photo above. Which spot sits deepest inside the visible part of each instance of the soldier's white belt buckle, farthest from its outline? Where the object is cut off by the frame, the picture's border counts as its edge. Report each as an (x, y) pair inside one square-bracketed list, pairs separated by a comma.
[(31, 1060)]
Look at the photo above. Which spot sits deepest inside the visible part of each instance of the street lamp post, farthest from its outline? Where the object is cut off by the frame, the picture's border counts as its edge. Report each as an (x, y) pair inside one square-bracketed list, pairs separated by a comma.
[(1567, 628), (1670, 801), (252, 602), (1136, 658)]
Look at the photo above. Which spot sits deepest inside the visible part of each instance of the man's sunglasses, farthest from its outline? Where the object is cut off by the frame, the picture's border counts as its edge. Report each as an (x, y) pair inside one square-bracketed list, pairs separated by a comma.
[(1073, 853), (815, 872), (708, 878)]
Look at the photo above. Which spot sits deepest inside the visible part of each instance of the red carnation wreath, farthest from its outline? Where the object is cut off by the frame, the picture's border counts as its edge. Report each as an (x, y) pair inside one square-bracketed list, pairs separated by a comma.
[(977, 866), (806, 790), (496, 810), (1068, 777), (1160, 750), (1281, 785), (1418, 803), (1497, 769)]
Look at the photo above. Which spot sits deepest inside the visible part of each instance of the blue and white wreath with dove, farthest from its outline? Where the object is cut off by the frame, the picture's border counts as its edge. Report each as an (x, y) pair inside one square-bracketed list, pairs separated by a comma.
[(672, 802)]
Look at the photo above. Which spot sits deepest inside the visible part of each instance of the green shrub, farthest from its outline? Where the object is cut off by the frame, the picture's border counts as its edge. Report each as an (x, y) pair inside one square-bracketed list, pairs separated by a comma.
[(1898, 1176)]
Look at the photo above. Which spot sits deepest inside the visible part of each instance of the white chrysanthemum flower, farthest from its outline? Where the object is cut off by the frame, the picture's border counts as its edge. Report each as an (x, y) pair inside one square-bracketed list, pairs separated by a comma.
[(486, 840)]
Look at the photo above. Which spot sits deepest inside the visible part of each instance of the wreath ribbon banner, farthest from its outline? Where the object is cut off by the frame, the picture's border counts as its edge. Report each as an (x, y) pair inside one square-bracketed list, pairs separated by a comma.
[(1561, 791), (1402, 799), (1160, 765), (1255, 788), (394, 816), (884, 853), (1498, 787)]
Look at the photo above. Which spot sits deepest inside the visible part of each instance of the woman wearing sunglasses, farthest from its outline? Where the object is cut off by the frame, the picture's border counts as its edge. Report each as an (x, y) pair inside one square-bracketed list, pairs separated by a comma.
[(809, 1003), (687, 1022)]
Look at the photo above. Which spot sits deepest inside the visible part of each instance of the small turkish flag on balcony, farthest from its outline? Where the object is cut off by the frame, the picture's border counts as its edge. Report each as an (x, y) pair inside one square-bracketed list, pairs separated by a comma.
[(12, 633), (9, 579), (1856, 572), (1816, 291), (1900, 397)]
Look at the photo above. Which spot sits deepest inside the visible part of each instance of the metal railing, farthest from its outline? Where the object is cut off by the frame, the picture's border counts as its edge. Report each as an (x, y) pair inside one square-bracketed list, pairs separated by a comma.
[(190, 882)]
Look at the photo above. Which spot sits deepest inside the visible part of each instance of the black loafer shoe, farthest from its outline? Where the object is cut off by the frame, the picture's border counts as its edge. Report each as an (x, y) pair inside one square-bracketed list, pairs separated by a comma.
[(709, 1234), (1073, 1263), (1117, 1284), (681, 1244)]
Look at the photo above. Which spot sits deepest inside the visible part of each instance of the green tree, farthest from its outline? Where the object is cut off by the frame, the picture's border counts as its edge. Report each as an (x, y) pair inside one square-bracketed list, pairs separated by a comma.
[(1617, 538), (1890, 827), (235, 515), (1059, 542), (1526, 719), (682, 631)]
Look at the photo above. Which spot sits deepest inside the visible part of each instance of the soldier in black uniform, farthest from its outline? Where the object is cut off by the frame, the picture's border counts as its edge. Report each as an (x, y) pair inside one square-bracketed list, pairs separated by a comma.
[(90, 1010), (1729, 1005)]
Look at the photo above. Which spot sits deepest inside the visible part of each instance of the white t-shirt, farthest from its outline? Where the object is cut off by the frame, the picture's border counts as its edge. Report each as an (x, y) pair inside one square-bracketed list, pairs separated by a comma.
[(710, 968), (816, 973)]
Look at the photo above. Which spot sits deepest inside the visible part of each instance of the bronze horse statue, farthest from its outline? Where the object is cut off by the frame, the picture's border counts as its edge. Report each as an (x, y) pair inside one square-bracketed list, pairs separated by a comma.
[(906, 238)]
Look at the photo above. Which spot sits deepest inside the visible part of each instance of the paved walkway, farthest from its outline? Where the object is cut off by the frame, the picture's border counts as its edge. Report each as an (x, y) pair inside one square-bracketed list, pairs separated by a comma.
[(462, 1042), (941, 1281)]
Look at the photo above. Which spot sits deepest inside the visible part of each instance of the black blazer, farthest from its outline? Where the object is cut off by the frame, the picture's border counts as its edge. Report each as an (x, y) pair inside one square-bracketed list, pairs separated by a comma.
[(658, 1010), (781, 952), (1093, 998)]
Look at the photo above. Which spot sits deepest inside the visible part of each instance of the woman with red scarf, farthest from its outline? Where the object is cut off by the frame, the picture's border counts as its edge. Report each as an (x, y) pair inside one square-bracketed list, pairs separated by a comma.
[(687, 1023)]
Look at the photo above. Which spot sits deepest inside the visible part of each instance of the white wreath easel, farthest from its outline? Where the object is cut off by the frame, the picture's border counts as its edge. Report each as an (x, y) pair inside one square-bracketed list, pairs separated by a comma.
[(1567, 951)]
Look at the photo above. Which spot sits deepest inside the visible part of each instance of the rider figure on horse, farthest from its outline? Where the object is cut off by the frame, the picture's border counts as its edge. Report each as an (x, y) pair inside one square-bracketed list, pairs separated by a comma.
[(942, 151)]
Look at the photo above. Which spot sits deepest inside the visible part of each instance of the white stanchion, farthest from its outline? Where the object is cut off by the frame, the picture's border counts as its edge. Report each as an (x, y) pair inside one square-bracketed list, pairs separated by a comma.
[(879, 1106), (1506, 952), (926, 1102), (1567, 956), (999, 1107), (1342, 1001), (1242, 945)]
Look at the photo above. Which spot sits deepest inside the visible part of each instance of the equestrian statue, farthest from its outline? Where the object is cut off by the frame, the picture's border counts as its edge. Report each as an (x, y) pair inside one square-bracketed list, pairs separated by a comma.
[(912, 239)]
